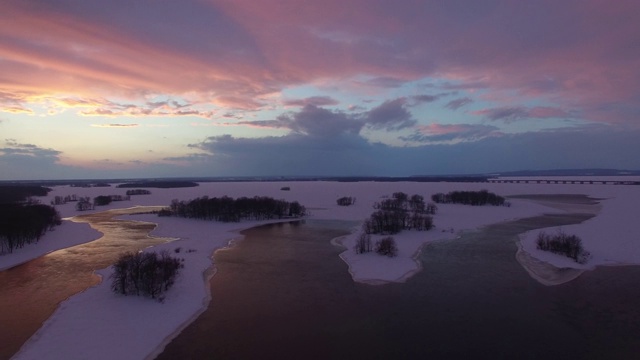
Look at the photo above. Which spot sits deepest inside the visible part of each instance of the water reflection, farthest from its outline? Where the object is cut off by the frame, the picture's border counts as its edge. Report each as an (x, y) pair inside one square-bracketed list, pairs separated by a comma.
[(30, 293), (284, 293)]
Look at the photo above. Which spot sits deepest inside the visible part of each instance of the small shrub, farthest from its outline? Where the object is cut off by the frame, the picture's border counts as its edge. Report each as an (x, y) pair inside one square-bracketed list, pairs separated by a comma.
[(346, 201), (431, 209), (387, 246), (363, 243)]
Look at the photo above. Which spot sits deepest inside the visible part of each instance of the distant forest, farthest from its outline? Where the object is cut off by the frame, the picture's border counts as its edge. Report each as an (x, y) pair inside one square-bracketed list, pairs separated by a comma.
[(22, 219), (159, 184), (227, 209), (20, 193)]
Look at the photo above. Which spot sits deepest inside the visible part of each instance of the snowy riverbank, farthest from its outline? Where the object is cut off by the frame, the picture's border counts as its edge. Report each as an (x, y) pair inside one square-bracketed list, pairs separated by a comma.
[(98, 324)]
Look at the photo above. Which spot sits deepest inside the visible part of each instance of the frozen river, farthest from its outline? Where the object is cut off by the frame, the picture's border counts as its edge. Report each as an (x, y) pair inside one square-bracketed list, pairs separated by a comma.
[(284, 293)]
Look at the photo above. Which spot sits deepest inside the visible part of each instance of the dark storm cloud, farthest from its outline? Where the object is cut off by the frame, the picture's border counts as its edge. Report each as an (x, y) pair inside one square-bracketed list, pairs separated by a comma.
[(390, 115), (316, 121), (350, 154)]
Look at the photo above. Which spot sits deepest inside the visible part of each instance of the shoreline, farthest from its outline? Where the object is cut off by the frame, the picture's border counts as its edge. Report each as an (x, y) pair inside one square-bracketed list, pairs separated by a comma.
[(207, 275), (542, 271)]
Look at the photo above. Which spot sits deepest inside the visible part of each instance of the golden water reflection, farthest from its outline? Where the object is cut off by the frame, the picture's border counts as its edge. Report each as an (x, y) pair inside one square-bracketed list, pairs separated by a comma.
[(30, 293)]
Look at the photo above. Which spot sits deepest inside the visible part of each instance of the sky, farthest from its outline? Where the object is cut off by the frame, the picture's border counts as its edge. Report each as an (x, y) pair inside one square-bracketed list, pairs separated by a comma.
[(160, 88)]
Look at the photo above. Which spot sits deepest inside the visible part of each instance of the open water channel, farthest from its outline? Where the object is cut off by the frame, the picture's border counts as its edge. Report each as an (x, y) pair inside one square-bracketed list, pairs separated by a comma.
[(283, 292)]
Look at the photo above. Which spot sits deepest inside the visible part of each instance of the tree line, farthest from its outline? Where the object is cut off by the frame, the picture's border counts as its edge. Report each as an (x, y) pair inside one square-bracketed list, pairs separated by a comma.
[(159, 184), (227, 209), (475, 198), (19, 193), (22, 224), (24, 220), (138, 192)]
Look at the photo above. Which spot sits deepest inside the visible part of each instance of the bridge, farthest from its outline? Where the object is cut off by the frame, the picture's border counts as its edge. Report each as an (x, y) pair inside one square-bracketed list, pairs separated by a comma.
[(563, 181)]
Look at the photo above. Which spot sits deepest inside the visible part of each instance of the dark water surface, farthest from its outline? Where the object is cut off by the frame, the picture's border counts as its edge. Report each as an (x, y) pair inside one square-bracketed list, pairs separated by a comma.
[(283, 292), (30, 293)]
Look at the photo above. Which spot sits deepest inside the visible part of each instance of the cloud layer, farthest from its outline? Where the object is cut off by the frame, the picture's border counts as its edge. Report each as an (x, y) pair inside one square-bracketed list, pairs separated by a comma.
[(377, 85)]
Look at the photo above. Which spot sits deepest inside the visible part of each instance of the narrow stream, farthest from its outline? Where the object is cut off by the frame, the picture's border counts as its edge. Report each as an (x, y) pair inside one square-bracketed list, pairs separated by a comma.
[(30, 293)]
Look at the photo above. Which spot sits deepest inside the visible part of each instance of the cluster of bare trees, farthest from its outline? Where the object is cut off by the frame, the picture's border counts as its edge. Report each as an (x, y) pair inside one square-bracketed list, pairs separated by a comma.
[(475, 198), (25, 223), (387, 247), (146, 274), (400, 212), (346, 201), (363, 243), (392, 215), (227, 209), (61, 200), (84, 203), (563, 244), (102, 200)]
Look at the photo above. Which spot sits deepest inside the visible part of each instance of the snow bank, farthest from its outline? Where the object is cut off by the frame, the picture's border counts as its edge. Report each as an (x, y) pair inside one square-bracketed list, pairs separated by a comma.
[(97, 324), (611, 237), (66, 235)]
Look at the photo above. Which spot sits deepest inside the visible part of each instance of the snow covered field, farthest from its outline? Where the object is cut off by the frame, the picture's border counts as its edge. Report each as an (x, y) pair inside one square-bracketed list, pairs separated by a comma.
[(134, 328)]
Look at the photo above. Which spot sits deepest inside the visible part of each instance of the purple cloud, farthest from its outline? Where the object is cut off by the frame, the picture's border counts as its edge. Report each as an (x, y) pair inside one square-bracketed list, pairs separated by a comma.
[(313, 100), (437, 133), (458, 103), (320, 122), (511, 114), (390, 115), (386, 82)]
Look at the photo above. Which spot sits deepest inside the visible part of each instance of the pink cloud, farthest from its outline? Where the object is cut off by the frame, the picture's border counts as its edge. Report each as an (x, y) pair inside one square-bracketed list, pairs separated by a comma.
[(575, 54)]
